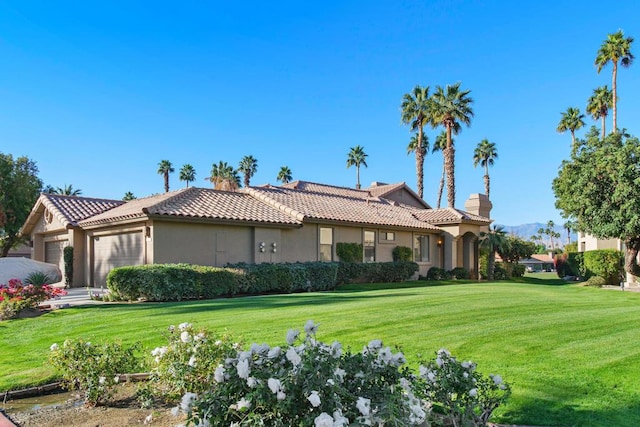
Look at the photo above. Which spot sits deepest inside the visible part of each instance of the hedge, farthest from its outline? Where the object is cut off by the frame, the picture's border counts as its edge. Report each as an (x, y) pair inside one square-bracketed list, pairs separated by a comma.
[(349, 252), (402, 253), (606, 263), (375, 272)]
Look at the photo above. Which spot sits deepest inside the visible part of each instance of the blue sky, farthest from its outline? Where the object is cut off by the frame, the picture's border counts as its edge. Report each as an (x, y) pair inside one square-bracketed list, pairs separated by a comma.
[(98, 93)]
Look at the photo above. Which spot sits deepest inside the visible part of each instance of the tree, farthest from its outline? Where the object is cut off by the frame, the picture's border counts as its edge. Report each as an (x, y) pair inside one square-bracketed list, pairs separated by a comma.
[(19, 189), (550, 231), (516, 249), (492, 241), (224, 177), (485, 155), (187, 173), (451, 107), (415, 110), (569, 226), (248, 167), (616, 48), (164, 169), (571, 120), (67, 190), (440, 145), (128, 196), (357, 157), (284, 175), (599, 104), (598, 188)]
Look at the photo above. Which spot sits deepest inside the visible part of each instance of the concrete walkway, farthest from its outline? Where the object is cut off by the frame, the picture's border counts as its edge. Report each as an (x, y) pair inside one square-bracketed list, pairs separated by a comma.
[(75, 297)]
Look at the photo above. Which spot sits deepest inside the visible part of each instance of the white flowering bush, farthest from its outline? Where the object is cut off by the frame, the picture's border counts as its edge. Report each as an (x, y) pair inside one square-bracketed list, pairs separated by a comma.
[(460, 395), (188, 362), (308, 383), (93, 369)]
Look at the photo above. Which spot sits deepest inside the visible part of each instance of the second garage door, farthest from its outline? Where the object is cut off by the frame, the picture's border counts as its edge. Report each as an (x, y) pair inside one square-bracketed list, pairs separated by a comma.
[(53, 254), (117, 250)]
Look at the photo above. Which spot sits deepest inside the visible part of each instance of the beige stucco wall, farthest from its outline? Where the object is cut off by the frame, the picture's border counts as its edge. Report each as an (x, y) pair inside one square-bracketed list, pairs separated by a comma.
[(300, 244), (587, 242)]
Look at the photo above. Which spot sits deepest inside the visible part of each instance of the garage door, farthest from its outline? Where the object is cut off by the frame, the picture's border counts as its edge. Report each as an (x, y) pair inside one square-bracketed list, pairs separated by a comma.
[(113, 251), (53, 254)]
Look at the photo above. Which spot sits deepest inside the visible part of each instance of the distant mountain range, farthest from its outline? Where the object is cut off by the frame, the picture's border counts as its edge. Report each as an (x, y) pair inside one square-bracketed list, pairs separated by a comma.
[(525, 231)]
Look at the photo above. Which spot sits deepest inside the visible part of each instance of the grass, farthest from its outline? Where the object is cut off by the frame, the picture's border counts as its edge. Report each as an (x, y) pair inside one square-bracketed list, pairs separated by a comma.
[(571, 353)]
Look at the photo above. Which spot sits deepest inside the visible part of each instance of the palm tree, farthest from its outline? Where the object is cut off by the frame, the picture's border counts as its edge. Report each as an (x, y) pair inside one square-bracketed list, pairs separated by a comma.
[(67, 190), (224, 177), (128, 196), (616, 48), (569, 226), (451, 108), (599, 104), (248, 167), (357, 157), (571, 120), (188, 174), (485, 155), (284, 175), (415, 110), (440, 145), (495, 239), (164, 169)]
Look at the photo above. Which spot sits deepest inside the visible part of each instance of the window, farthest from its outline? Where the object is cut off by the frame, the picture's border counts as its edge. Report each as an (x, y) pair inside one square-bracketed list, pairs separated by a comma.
[(326, 244), (421, 248), (369, 246), (387, 236)]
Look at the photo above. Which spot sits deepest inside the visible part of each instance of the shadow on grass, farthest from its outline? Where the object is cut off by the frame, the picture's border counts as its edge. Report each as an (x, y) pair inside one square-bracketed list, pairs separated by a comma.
[(545, 281)]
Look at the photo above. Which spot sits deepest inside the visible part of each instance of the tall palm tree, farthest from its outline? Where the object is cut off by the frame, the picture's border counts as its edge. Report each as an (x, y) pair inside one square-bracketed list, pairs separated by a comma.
[(128, 196), (224, 177), (357, 157), (284, 175), (570, 226), (248, 167), (495, 239), (165, 168), (67, 190), (485, 155), (440, 145), (415, 109), (188, 174), (599, 104), (571, 120), (451, 108), (616, 48)]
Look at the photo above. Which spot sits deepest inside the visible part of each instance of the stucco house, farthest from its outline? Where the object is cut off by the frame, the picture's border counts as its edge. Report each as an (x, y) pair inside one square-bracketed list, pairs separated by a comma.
[(298, 221)]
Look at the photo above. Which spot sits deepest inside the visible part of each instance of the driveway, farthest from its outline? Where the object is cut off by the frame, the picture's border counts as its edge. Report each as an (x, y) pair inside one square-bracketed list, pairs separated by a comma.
[(75, 297)]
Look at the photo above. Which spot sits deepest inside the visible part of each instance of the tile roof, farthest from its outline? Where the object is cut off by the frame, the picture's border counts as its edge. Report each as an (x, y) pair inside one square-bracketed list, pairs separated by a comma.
[(338, 205), (379, 189), (70, 210), (448, 216), (197, 203), (314, 187)]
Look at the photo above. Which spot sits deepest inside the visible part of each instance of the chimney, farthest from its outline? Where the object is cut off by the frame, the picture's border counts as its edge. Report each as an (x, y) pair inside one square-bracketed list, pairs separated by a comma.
[(478, 204)]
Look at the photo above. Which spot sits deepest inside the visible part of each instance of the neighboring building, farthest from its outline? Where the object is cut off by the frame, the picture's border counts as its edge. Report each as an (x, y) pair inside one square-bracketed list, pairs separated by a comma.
[(587, 242), (299, 221), (538, 262)]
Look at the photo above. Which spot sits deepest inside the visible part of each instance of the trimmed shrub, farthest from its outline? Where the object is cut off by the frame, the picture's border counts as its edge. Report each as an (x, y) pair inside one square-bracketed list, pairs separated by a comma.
[(437, 273), (67, 256), (349, 252), (402, 254), (569, 264), (459, 273), (499, 272), (375, 272), (518, 270), (596, 281), (606, 263)]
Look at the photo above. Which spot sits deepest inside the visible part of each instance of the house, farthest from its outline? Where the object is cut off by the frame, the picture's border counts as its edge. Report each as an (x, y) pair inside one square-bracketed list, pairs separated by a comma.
[(587, 242), (298, 221), (538, 262)]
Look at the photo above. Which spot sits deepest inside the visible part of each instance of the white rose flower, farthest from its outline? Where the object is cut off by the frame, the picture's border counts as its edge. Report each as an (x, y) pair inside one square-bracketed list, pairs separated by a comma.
[(252, 382), (183, 326), (364, 406), (311, 328), (293, 356), (336, 349), (54, 347), (340, 421), (185, 337), (243, 404), (274, 352), (116, 379), (243, 369), (375, 344), (292, 336), (473, 392), (399, 359), (314, 399), (274, 385), (192, 361), (340, 373), (101, 380), (187, 401), (323, 420), (497, 379), (218, 375), (281, 395)]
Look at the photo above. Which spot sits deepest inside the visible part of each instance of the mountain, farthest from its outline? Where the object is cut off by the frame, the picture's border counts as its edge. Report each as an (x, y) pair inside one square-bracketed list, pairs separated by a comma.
[(525, 231)]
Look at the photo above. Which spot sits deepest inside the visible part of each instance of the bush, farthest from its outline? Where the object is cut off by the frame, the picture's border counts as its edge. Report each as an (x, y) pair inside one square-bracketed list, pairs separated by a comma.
[(67, 256), (596, 281), (15, 297), (499, 272), (188, 361), (375, 272), (606, 263), (402, 254), (518, 270), (459, 273), (93, 369), (349, 252), (37, 278), (569, 264), (437, 273)]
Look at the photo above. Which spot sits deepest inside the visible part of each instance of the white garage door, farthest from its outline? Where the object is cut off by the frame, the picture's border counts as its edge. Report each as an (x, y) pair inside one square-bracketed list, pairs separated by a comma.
[(113, 251), (53, 254)]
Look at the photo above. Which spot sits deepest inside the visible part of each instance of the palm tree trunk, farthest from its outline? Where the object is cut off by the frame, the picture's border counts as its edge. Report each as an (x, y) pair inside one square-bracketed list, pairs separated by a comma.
[(358, 177), (420, 165), (441, 184), (166, 182), (603, 125), (486, 184), (615, 98), (449, 155)]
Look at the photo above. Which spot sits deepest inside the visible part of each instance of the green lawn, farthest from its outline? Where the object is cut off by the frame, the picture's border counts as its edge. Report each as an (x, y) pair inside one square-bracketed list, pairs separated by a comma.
[(572, 354)]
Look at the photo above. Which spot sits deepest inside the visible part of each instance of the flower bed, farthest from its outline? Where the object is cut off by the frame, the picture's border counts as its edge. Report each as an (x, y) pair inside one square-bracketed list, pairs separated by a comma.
[(16, 297)]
